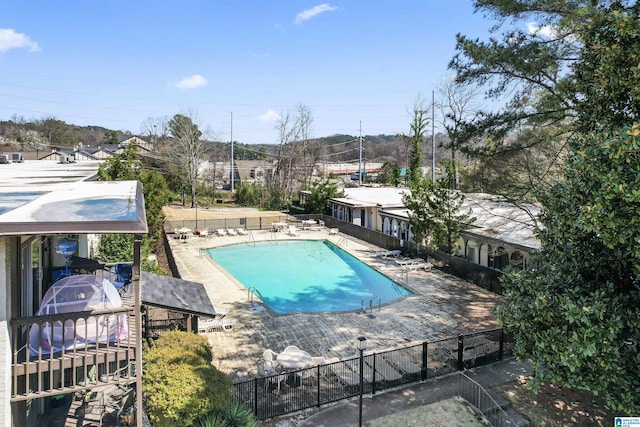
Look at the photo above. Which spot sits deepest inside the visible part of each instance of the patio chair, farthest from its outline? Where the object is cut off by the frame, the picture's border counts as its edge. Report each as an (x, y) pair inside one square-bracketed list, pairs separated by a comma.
[(293, 231), (269, 358), (333, 231), (121, 277)]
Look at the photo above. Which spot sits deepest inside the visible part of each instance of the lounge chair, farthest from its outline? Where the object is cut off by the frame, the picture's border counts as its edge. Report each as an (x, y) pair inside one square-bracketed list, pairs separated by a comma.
[(242, 231), (221, 232), (353, 363), (402, 362), (345, 375), (426, 266), (388, 371), (409, 261), (384, 254), (232, 232), (202, 232), (210, 325), (221, 312), (333, 231)]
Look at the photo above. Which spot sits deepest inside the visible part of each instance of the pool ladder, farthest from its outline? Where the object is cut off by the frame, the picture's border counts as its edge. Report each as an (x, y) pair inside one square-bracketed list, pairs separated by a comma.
[(253, 291), (371, 300)]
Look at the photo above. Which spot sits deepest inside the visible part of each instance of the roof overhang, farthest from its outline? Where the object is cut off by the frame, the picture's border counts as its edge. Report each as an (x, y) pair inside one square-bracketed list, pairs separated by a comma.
[(176, 294), (79, 208)]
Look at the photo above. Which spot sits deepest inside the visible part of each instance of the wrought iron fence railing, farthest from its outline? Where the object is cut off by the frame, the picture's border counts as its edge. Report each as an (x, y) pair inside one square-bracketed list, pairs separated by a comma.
[(295, 390)]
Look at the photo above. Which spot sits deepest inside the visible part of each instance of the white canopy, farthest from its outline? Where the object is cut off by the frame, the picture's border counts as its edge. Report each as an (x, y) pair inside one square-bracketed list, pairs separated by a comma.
[(83, 292)]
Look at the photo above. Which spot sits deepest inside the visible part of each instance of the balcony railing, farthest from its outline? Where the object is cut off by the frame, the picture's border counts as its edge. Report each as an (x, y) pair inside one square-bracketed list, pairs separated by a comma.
[(66, 352)]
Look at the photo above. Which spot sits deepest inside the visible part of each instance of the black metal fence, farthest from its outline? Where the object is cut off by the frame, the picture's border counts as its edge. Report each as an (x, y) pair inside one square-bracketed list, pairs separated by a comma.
[(295, 390)]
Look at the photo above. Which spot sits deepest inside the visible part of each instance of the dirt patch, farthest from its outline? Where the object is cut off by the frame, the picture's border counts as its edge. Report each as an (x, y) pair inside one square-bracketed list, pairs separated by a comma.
[(450, 412), (556, 405)]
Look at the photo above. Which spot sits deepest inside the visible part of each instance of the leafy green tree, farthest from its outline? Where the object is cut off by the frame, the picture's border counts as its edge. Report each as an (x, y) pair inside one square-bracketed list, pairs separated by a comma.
[(389, 174), (57, 132), (321, 192), (574, 312), (436, 214), (247, 194), (115, 248), (127, 166)]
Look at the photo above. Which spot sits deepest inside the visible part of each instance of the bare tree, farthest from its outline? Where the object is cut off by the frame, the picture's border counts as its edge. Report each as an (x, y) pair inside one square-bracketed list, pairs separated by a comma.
[(156, 129), (310, 153), (415, 141), (457, 107), (189, 149)]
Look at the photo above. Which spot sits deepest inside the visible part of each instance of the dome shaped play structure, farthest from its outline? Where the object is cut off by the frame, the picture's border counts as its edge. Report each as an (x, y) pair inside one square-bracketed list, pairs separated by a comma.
[(78, 293)]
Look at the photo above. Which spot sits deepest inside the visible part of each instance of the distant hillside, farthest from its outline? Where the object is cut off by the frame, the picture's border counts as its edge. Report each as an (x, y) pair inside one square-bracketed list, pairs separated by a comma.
[(19, 134)]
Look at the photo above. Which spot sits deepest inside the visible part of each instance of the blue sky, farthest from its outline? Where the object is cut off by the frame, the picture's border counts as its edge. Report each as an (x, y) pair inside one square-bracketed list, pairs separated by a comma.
[(116, 63)]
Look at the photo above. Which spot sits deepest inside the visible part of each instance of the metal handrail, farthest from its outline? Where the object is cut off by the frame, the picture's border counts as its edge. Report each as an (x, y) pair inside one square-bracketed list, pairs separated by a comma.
[(478, 398)]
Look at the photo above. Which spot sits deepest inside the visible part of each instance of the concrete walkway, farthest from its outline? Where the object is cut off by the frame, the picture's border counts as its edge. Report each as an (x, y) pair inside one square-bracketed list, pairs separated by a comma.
[(442, 306)]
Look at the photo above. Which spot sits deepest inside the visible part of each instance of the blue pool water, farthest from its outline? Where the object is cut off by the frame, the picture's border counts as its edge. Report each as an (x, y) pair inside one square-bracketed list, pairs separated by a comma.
[(308, 276)]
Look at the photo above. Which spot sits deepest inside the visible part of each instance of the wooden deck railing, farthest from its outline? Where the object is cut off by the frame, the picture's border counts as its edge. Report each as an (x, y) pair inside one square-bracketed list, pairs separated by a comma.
[(82, 356)]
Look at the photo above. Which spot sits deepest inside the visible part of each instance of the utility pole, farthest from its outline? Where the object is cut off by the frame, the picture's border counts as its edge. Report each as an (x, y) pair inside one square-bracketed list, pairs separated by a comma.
[(360, 158), (232, 168), (433, 136)]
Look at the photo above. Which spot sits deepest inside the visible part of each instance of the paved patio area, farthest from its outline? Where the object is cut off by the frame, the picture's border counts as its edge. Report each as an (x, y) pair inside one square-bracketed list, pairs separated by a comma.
[(442, 307)]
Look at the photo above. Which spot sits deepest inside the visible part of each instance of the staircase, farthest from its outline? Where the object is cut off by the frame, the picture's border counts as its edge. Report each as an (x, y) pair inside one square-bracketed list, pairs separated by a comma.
[(490, 406)]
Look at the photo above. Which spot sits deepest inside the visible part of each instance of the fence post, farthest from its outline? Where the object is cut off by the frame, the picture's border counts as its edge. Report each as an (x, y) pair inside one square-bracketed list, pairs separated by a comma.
[(318, 383), (460, 351), (501, 351), (374, 373), (255, 397), (423, 371)]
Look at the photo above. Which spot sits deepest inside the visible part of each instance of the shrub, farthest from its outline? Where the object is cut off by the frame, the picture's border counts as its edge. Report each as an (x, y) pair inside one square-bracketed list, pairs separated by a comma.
[(180, 385)]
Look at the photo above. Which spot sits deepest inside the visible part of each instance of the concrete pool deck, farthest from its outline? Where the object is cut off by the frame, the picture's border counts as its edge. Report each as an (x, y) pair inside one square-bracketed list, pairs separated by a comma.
[(443, 306)]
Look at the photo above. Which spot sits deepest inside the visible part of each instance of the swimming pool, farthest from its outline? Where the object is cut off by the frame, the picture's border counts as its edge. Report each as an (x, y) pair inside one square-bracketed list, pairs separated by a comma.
[(308, 276)]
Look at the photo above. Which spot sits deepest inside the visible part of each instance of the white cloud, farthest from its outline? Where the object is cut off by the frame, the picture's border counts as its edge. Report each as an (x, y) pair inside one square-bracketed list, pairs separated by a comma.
[(314, 11), (545, 31), (9, 39), (269, 116), (191, 82)]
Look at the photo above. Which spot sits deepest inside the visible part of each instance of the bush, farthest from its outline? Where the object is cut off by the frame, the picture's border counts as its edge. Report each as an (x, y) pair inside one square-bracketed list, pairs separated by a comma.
[(180, 385), (234, 415)]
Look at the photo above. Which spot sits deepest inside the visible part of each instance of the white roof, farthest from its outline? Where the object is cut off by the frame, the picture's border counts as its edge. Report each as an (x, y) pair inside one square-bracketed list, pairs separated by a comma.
[(373, 196), (41, 197), (496, 218)]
